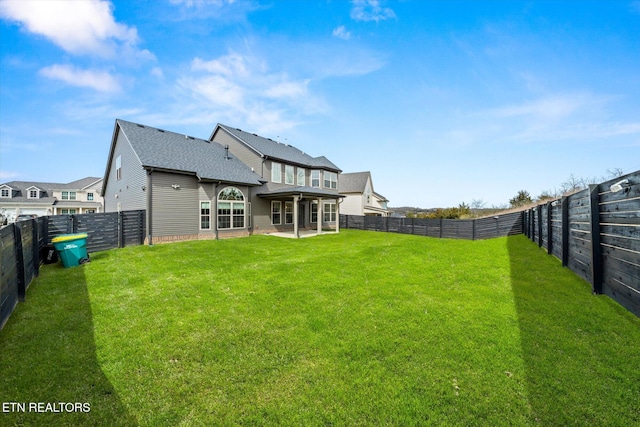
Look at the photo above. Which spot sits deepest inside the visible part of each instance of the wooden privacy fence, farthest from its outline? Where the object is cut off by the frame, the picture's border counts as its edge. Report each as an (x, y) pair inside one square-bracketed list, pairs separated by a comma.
[(470, 229), (22, 242), (596, 233)]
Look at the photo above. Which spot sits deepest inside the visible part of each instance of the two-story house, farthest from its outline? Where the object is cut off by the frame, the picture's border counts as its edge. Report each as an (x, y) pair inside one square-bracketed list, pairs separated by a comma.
[(229, 185), (299, 191), (360, 198), (43, 198)]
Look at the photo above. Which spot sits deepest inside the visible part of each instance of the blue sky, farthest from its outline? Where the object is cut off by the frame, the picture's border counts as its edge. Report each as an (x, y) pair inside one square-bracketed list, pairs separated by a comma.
[(443, 101)]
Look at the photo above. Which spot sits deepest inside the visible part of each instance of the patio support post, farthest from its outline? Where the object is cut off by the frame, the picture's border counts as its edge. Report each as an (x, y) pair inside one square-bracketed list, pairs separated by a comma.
[(337, 215), (296, 228), (319, 215)]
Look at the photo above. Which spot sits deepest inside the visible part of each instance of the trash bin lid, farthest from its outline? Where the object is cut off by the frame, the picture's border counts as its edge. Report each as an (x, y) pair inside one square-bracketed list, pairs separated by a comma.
[(67, 237)]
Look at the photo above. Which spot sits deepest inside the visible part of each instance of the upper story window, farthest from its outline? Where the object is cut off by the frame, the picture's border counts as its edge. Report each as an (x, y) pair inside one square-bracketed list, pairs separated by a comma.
[(330, 180), (5, 192), (315, 179), (289, 174), (119, 167), (90, 197), (68, 195), (276, 172), (301, 177), (33, 193)]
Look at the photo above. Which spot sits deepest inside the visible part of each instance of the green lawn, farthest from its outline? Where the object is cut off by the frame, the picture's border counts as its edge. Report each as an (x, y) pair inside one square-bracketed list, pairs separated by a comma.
[(360, 328)]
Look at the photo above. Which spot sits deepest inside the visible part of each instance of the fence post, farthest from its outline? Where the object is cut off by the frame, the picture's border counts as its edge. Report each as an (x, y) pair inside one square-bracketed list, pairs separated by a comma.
[(565, 231), (35, 245), (473, 229), (596, 249), (549, 229), (539, 209), (121, 229), (45, 230), (142, 225), (20, 272)]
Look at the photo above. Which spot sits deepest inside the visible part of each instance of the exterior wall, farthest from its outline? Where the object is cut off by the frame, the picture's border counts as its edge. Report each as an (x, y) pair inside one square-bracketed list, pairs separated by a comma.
[(174, 211), (352, 204), (240, 151), (367, 196), (128, 189)]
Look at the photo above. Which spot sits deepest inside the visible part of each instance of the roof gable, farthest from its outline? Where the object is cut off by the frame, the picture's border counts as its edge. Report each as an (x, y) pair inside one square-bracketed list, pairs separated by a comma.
[(160, 149), (276, 150), (355, 182)]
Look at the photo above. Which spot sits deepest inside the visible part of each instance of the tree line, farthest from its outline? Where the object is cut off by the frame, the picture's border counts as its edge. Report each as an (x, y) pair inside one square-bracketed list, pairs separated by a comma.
[(477, 207)]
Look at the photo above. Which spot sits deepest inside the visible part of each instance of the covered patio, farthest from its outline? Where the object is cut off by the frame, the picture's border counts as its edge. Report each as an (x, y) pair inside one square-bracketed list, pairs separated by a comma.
[(297, 195)]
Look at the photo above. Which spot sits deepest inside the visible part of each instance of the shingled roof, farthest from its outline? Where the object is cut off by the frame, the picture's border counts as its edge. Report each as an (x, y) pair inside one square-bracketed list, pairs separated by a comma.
[(161, 149), (277, 150), (354, 182)]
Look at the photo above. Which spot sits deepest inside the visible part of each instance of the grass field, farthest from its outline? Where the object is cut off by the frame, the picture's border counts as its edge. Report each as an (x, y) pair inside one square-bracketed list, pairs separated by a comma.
[(360, 328)]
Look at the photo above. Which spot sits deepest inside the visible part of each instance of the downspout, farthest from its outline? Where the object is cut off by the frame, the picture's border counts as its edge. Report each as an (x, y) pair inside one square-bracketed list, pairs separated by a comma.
[(214, 214), (149, 208), (339, 201)]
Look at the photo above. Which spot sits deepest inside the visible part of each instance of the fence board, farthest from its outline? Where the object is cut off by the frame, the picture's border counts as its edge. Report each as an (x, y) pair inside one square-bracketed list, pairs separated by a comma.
[(22, 242), (602, 237), (8, 274)]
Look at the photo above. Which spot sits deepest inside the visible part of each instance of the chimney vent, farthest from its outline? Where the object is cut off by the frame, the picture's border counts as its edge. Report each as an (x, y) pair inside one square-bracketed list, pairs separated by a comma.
[(226, 152)]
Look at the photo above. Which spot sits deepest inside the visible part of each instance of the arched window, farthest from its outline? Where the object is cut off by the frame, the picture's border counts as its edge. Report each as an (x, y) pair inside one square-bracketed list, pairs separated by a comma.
[(231, 208)]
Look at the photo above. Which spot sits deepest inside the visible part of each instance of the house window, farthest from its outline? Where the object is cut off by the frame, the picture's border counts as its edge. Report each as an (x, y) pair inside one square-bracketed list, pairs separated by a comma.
[(4, 192), (33, 194), (205, 215), (90, 197), (314, 212), (89, 211), (289, 174), (118, 167), (276, 172), (67, 211), (329, 212), (231, 207), (288, 212), (315, 179), (301, 177), (330, 180), (276, 212), (68, 195)]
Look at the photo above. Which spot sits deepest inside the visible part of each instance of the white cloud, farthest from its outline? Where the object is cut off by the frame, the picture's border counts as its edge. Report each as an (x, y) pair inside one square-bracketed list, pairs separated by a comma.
[(98, 80), (157, 72), (342, 33), (78, 27), (370, 10), (228, 65), (242, 89), (8, 175), (201, 3), (288, 89)]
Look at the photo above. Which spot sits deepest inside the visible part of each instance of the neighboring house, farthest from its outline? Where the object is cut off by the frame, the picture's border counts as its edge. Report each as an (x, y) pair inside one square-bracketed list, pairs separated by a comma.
[(197, 189), (360, 198), (299, 191), (43, 198)]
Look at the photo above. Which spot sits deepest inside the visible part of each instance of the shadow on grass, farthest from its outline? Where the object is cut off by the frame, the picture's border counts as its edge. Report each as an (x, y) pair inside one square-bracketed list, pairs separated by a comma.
[(581, 352), (48, 357)]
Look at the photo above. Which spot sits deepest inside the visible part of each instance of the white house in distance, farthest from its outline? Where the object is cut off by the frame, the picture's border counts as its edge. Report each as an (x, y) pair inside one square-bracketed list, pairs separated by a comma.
[(360, 198), (44, 198)]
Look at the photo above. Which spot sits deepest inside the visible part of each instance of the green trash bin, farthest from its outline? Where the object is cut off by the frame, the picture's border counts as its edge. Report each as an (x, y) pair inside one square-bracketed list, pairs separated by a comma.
[(72, 249)]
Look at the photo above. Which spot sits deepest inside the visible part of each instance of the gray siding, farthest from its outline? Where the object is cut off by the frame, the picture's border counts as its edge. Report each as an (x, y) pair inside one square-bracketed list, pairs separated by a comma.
[(129, 190), (241, 152), (175, 211)]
